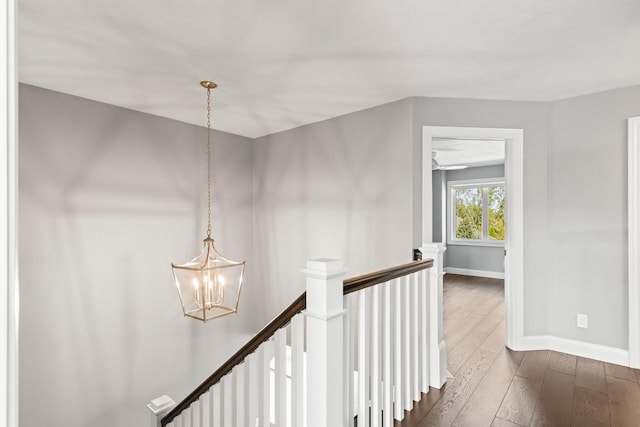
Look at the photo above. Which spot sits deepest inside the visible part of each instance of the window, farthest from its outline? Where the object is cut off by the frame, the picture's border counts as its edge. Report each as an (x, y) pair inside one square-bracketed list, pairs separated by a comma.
[(476, 212)]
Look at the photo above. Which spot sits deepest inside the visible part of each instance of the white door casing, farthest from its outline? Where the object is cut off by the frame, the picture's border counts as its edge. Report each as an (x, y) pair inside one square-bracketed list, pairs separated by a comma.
[(634, 240), (514, 243), (8, 222)]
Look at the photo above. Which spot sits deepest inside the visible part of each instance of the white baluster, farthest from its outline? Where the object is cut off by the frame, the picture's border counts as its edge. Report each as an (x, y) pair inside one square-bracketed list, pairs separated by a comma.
[(364, 350), (240, 400), (375, 356), (280, 339), (229, 413), (264, 365), (437, 345), (253, 377), (204, 409), (195, 412), (297, 370), (398, 407), (424, 332), (387, 358), (415, 340), (346, 371), (216, 405), (406, 340), (351, 368), (324, 316)]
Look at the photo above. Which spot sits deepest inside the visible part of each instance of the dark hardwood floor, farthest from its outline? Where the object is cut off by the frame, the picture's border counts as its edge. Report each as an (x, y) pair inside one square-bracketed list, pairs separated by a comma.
[(494, 386)]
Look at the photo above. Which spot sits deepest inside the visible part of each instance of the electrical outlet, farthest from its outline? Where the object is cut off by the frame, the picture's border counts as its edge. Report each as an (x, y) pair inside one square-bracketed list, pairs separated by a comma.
[(583, 321)]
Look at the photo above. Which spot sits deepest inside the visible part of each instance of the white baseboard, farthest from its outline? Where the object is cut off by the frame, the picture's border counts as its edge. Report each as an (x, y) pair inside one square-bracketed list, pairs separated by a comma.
[(475, 273), (613, 355)]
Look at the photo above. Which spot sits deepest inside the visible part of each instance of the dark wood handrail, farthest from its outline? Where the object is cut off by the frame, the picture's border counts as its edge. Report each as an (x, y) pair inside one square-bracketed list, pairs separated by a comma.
[(367, 280), (265, 333), (281, 320)]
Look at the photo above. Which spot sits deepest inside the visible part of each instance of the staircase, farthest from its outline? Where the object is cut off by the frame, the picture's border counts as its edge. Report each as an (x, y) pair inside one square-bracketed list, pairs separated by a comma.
[(348, 352)]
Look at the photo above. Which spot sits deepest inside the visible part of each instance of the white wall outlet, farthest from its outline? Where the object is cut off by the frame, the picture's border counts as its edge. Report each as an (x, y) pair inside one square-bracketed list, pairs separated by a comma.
[(583, 321)]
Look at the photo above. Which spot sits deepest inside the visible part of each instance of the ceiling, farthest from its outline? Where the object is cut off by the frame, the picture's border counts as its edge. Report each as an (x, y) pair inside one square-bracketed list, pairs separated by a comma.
[(468, 152), (282, 64)]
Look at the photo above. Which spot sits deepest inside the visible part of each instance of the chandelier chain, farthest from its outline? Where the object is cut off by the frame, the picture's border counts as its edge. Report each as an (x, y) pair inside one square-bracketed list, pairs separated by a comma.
[(208, 162)]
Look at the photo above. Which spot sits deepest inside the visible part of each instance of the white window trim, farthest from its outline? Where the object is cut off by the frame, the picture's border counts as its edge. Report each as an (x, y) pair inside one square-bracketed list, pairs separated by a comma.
[(451, 239)]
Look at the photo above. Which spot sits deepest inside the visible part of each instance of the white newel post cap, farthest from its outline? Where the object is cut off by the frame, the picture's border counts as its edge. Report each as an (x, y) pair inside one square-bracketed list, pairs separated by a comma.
[(159, 407), (434, 251), (324, 286)]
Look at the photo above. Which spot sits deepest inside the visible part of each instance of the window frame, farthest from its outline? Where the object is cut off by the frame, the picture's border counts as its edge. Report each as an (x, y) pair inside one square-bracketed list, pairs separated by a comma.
[(482, 183)]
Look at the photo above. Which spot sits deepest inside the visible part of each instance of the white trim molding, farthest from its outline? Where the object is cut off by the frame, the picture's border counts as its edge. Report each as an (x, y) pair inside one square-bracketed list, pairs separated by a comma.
[(613, 355), (474, 273), (8, 218), (634, 241), (514, 243)]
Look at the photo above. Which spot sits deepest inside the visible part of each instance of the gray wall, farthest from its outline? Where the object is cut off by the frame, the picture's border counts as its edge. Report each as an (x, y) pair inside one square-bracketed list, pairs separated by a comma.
[(587, 216), (485, 258), (340, 188), (108, 199), (574, 204)]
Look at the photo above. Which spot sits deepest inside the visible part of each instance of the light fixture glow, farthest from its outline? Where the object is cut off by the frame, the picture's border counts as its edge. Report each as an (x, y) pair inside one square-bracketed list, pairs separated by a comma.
[(209, 285)]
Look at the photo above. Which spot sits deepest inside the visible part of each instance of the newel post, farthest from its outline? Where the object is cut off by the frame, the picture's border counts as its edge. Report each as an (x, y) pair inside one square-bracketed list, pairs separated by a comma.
[(325, 317), (437, 346), (160, 407)]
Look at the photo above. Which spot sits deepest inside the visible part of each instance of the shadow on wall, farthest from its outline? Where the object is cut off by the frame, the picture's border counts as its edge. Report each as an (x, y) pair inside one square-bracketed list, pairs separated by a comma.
[(340, 189), (108, 199)]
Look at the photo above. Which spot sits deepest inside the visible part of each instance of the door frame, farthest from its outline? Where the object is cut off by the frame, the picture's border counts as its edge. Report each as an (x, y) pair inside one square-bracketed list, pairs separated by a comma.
[(514, 215), (9, 304), (634, 240)]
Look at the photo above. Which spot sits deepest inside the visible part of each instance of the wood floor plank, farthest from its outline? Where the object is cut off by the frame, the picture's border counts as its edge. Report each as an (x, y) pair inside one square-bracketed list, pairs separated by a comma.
[(562, 362), (590, 408), (590, 374), (421, 408), (534, 365), (492, 320), (520, 401), (456, 334), (496, 339), (492, 302), (618, 371), (464, 349), (445, 411), (555, 404), (481, 408), (499, 422), (624, 402)]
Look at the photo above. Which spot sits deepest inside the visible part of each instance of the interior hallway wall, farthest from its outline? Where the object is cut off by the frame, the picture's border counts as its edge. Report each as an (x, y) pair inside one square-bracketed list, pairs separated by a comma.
[(340, 188), (587, 216), (108, 199)]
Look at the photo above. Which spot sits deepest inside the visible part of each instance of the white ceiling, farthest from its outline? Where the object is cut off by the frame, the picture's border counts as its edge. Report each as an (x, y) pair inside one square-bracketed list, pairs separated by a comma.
[(468, 152), (282, 64)]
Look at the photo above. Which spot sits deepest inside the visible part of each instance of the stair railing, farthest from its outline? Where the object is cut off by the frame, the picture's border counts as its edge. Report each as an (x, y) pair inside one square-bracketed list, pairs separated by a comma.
[(360, 350)]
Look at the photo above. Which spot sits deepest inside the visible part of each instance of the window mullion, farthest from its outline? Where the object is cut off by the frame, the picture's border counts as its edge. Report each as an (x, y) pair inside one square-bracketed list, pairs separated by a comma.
[(485, 213)]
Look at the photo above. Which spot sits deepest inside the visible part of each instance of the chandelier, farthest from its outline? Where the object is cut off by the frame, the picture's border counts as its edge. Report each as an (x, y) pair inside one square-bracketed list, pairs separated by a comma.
[(209, 285)]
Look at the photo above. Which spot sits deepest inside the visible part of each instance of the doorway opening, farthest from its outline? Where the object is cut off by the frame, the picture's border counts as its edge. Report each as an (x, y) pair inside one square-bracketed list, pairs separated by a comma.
[(512, 139)]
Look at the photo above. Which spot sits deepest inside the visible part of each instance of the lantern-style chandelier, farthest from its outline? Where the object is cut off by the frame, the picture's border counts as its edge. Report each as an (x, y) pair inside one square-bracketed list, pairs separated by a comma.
[(209, 285)]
